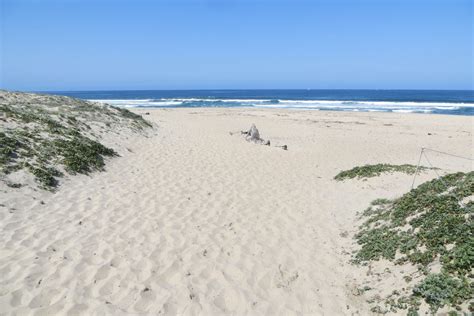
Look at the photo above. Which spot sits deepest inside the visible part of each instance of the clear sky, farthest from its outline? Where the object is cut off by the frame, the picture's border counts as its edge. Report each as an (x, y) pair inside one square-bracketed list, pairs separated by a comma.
[(243, 44)]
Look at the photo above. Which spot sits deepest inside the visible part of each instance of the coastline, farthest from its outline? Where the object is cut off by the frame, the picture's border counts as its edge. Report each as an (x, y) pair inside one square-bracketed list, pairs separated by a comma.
[(193, 219), (397, 107), (453, 102)]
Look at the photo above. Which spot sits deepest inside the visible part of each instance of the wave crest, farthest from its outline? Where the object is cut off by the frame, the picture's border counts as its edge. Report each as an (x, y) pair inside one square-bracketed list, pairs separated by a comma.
[(335, 105)]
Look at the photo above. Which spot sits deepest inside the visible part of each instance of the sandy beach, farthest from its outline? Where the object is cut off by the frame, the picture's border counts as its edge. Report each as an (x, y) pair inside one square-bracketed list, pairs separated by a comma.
[(193, 220)]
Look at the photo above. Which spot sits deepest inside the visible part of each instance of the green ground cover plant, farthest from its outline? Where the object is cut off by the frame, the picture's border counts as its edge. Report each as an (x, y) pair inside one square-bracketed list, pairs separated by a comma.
[(369, 171), (49, 135), (432, 223)]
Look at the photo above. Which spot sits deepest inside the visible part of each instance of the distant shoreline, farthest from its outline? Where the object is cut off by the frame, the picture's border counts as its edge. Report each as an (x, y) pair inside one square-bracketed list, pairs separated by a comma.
[(450, 102)]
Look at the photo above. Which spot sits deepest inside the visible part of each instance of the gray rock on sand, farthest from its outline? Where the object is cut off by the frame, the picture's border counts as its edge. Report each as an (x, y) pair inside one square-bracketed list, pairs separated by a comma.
[(254, 136)]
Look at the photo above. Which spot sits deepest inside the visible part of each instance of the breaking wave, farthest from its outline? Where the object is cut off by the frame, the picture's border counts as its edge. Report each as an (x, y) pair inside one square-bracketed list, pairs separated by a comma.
[(333, 105)]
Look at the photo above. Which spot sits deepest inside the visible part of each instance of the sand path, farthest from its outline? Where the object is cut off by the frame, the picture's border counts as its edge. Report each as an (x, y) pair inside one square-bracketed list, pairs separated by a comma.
[(193, 220)]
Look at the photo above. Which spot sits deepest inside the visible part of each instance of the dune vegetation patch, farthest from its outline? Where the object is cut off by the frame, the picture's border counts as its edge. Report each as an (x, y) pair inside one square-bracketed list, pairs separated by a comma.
[(369, 171), (429, 226), (48, 135)]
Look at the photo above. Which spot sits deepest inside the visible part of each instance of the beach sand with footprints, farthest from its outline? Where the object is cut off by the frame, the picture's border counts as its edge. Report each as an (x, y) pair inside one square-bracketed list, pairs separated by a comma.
[(193, 220)]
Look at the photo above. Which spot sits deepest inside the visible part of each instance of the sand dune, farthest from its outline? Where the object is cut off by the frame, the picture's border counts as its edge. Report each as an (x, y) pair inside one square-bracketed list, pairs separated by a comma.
[(192, 220)]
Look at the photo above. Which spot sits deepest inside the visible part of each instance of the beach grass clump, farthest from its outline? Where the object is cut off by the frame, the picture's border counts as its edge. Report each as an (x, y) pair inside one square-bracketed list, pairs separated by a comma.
[(369, 171), (46, 176), (8, 148), (82, 155), (44, 134), (430, 224)]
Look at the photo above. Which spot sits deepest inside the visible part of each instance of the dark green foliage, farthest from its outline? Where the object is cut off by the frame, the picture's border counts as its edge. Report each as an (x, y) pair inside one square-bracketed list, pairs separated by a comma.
[(426, 223), (82, 155), (378, 243), (8, 147), (46, 176), (32, 115), (395, 302), (461, 258), (380, 202), (369, 171), (47, 131), (441, 289), (436, 214)]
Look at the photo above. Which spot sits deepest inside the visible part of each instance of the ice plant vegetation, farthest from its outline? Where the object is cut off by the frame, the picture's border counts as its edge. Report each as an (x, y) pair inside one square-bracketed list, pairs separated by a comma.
[(432, 224), (48, 135), (369, 171)]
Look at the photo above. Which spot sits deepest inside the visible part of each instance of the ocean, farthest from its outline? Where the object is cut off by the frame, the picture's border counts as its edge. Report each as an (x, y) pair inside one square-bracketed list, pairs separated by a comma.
[(454, 102)]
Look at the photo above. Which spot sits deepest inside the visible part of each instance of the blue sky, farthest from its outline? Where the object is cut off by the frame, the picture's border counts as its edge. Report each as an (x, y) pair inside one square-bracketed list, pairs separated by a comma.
[(192, 44)]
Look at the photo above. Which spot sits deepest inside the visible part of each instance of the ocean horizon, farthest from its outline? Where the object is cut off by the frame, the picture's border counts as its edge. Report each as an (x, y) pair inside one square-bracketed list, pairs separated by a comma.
[(452, 102)]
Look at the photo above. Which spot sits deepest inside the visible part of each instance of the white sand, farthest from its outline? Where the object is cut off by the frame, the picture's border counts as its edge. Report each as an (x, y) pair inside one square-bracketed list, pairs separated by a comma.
[(193, 220)]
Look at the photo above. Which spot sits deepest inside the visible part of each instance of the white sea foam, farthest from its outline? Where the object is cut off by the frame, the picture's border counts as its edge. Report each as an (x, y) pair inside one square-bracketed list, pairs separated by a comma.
[(340, 105), (139, 102)]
